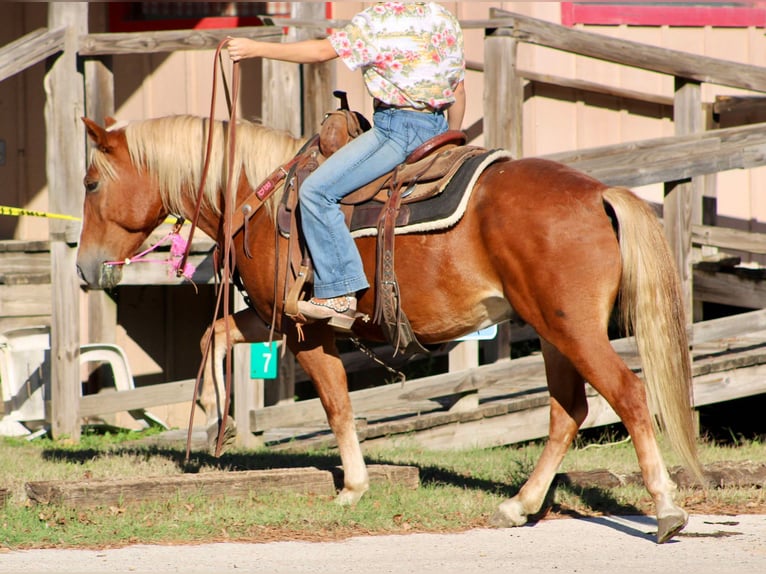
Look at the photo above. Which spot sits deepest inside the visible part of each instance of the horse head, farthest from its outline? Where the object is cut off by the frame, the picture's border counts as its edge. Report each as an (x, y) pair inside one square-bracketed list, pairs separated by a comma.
[(122, 207)]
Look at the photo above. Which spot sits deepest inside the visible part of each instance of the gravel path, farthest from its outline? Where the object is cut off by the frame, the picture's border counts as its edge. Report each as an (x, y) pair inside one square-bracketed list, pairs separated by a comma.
[(710, 545)]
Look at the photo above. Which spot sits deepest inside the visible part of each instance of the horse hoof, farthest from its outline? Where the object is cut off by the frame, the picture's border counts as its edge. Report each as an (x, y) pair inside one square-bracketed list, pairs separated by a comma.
[(509, 514), (669, 526), (229, 435), (348, 497)]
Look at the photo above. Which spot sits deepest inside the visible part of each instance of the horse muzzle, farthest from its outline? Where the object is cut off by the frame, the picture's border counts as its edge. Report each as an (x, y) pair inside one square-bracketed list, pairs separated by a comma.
[(100, 276)]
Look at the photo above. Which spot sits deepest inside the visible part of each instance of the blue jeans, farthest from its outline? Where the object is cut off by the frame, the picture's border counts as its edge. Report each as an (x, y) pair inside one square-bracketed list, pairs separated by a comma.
[(338, 267)]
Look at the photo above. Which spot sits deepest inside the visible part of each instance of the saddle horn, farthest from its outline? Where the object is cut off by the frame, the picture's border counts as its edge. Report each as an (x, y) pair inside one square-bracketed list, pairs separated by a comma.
[(343, 97)]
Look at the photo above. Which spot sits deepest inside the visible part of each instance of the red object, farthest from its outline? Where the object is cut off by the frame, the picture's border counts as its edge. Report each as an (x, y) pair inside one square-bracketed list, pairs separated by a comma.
[(650, 14)]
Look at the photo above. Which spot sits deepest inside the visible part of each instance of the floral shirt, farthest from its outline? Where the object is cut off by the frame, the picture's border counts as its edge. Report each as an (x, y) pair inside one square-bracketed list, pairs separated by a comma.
[(410, 53)]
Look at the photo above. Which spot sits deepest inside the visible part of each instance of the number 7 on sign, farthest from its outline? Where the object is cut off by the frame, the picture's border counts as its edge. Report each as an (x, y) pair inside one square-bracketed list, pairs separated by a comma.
[(263, 360)]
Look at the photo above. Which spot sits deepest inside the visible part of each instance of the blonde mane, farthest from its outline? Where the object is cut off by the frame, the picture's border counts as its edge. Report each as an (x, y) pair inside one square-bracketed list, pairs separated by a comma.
[(173, 149)]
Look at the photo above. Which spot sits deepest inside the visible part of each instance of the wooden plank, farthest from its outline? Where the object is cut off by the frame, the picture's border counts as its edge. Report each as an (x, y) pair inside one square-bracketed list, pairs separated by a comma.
[(729, 385), (231, 485), (110, 401), (29, 50), (234, 485), (635, 54), (731, 326), (596, 88), (583, 86), (645, 171), (729, 289), (21, 262), (747, 474), (678, 145), (25, 300), (168, 40), (509, 371), (727, 238), (532, 423), (671, 159)]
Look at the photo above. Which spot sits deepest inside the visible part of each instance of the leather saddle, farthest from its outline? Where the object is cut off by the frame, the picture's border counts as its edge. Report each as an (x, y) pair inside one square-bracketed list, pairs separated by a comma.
[(424, 175)]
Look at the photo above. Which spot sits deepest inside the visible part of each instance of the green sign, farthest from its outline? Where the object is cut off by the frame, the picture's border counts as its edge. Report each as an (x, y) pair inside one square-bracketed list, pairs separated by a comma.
[(263, 360)]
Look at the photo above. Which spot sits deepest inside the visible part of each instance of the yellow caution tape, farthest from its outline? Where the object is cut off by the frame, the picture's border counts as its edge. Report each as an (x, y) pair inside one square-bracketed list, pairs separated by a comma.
[(18, 211)]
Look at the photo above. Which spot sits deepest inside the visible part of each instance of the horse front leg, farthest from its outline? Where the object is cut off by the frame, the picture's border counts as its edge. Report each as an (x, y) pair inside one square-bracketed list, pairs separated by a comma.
[(569, 407), (318, 355)]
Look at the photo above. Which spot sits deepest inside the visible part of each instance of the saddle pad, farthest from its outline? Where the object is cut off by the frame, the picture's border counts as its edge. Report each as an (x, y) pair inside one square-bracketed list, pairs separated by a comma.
[(439, 212)]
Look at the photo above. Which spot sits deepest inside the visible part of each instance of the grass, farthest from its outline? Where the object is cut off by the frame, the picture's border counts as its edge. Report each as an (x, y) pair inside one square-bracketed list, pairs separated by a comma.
[(459, 490)]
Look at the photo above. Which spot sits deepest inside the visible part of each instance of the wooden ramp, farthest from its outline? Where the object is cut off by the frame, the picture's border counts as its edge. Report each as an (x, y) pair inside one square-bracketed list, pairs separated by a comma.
[(507, 402)]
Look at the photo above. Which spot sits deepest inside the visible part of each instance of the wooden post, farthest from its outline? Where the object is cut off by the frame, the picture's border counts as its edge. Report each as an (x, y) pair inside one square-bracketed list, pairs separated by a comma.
[(65, 167), (503, 93), (99, 104), (681, 195), (503, 124), (248, 394), (318, 79), (289, 88)]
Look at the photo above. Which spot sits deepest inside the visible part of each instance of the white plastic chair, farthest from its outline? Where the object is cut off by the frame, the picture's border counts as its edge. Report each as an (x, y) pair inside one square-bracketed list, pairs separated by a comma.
[(115, 357), (25, 377)]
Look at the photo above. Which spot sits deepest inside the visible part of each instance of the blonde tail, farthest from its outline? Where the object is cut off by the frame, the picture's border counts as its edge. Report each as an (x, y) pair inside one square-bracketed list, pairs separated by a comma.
[(651, 307)]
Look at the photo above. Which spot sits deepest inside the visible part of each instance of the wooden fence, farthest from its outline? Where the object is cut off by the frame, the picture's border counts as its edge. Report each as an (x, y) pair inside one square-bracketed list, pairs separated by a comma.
[(679, 162)]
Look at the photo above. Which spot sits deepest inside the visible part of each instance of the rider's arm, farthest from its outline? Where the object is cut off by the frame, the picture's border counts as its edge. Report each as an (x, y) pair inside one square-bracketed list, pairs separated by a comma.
[(302, 52), (456, 111)]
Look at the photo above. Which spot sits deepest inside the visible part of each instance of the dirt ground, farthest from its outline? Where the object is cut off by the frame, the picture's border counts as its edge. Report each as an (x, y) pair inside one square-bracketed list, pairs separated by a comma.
[(713, 544)]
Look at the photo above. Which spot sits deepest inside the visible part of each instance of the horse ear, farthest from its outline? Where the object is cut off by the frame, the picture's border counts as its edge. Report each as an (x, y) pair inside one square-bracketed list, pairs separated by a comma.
[(109, 121), (97, 134)]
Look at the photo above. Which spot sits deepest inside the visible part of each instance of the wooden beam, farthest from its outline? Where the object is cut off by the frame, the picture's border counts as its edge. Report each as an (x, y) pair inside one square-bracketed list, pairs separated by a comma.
[(110, 401), (672, 158), (29, 50), (729, 289), (111, 492), (232, 485), (168, 40), (582, 85), (727, 238), (635, 54)]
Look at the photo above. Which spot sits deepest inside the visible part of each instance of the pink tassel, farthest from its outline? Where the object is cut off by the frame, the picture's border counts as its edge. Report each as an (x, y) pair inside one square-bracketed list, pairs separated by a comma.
[(178, 245), (177, 248)]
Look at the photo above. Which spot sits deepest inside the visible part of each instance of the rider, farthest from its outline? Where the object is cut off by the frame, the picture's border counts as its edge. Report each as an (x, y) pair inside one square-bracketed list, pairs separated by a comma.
[(412, 61)]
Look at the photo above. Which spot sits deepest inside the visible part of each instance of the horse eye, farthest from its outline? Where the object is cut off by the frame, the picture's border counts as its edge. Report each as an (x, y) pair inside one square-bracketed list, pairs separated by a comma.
[(91, 185)]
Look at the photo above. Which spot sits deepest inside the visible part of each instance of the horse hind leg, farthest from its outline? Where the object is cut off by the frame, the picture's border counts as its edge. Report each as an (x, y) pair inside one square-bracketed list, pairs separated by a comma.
[(242, 327), (625, 392), (568, 409)]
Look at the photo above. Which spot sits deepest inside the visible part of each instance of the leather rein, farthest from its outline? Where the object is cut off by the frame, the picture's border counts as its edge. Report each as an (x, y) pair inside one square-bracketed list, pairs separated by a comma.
[(229, 200)]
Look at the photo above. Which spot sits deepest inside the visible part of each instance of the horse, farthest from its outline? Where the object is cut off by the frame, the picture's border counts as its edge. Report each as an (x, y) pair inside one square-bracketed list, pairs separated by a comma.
[(539, 242)]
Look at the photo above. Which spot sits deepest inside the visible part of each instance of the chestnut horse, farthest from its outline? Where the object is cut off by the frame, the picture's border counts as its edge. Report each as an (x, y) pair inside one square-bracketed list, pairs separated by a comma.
[(539, 241)]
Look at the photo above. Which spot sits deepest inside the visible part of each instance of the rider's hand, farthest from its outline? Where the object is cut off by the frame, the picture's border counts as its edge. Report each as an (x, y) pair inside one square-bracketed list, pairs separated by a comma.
[(239, 48)]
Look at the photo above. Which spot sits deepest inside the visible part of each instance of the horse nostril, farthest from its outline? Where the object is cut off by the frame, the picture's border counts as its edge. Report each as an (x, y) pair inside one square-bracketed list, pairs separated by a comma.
[(81, 275)]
